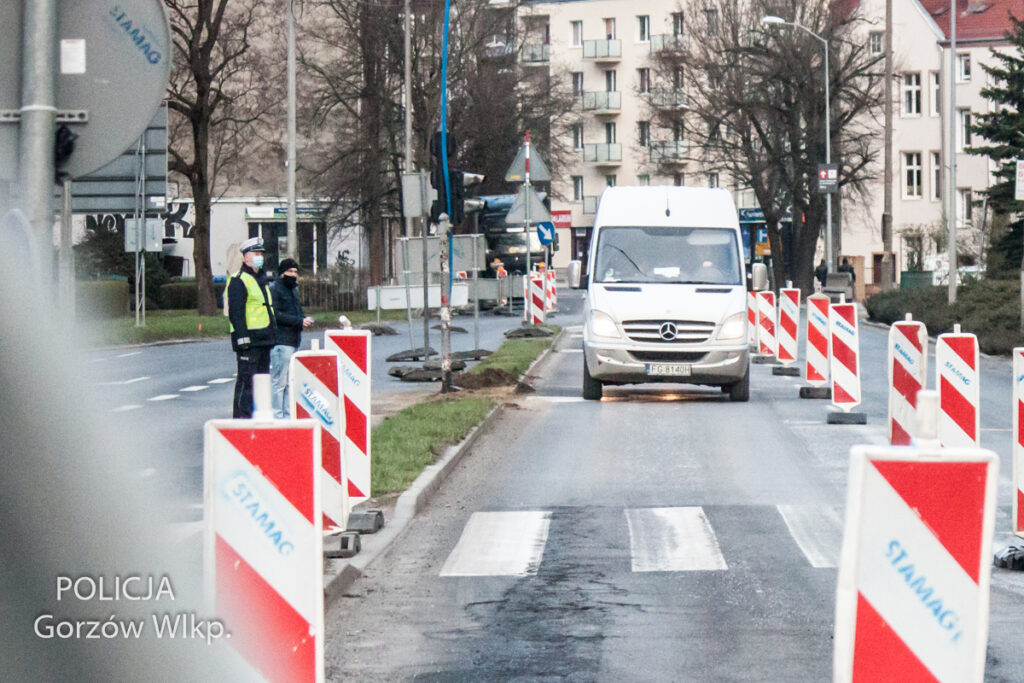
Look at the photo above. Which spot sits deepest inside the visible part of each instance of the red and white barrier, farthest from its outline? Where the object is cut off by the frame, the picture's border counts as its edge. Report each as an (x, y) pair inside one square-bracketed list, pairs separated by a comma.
[(752, 319), (789, 322), (912, 601), (264, 543), (536, 310), (767, 345), (908, 372), (817, 354), (845, 357), (956, 379), (1018, 441), (314, 379), (552, 294), (354, 348)]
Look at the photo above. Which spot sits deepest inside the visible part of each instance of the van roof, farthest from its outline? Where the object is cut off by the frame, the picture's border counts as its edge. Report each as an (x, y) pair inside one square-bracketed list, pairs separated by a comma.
[(710, 207)]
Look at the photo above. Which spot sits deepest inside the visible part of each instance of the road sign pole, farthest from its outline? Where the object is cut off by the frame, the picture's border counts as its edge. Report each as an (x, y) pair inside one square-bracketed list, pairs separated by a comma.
[(526, 220), (443, 231), (66, 255)]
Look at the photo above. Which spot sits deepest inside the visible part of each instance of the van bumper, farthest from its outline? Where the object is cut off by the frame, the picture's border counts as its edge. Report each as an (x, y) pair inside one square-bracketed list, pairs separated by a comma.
[(719, 365)]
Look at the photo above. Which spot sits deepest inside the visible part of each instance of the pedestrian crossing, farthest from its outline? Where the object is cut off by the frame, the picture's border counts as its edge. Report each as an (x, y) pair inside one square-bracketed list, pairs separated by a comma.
[(660, 539)]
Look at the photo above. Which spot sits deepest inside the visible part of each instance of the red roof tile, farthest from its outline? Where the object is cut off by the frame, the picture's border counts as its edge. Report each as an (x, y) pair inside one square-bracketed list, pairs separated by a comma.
[(975, 19)]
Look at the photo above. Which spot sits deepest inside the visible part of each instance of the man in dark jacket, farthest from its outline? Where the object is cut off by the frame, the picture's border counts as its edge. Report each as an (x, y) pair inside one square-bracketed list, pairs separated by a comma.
[(251, 315), (290, 321)]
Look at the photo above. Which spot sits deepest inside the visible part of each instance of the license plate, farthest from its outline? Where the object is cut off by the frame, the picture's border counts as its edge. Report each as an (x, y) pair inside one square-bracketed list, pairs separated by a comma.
[(669, 369)]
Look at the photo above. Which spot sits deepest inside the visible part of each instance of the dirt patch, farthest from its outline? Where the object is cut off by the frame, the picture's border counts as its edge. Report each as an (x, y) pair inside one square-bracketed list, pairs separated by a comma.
[(486, 378)]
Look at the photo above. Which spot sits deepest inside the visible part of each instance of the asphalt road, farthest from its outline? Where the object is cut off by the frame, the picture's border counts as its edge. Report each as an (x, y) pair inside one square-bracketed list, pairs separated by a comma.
[(663, 533)]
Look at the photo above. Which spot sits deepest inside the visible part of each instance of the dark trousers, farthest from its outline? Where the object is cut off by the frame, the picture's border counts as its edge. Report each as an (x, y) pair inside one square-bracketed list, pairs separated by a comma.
[(254, 361)]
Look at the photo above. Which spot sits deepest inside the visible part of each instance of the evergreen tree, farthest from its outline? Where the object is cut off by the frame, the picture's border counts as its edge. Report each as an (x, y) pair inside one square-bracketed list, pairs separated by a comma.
[(1003, 129)]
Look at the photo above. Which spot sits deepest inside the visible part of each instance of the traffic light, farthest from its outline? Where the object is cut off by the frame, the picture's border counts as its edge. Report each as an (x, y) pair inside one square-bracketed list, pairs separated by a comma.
[(458, 190), (440, 204)]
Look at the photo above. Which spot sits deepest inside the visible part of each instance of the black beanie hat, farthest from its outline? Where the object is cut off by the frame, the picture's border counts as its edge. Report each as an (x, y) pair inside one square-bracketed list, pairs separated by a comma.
[(287, 264)]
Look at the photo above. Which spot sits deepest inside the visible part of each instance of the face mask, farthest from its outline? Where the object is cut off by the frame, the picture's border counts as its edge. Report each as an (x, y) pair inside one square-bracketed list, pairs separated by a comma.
[(289, 281), (257, 261)]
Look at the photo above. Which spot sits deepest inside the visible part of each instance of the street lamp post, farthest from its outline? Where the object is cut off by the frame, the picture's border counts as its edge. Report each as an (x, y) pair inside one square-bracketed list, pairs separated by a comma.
[(772, 20)]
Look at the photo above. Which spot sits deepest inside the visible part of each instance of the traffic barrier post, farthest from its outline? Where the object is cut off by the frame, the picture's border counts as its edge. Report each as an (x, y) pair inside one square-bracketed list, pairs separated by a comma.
[(912, 599), (907, 369), (817, 350), (536, 299), (766, 319), (788, 331), (752, 320), (956, 379), (844, 340), (263, 542), (552, 293), (1018, 441)]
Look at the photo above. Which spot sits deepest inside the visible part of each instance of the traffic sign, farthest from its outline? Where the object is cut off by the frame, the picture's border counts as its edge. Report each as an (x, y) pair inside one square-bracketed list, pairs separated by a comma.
[(539, 172), (828, 178), (517, 214), (546, 232)]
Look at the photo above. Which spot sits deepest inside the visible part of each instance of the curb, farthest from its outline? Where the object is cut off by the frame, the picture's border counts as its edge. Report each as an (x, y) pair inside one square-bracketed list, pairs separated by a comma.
[(413, 500)]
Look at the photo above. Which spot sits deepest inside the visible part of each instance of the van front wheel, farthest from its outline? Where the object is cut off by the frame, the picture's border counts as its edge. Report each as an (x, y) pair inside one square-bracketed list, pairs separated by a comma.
[(740, 391), (591, 387)]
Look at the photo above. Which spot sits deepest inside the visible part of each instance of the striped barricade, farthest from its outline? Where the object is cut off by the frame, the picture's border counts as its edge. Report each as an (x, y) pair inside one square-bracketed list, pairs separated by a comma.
[(908, 370), (354, 348), (844, 341), (264, 544), (752, 320), (817, 350), (766, 341), (912, 601), (1018, 441), (535, 299), (788, 331), (956, 379), (552, 293), (315, 393)]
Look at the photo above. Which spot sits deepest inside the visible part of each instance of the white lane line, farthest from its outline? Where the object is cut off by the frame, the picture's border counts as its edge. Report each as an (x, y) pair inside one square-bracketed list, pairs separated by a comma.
[(817, 529), (121, 382), (556, 399), (996, 429), (672, 539), (221, 380), (126, 408), (196, 387), (132, 353), (571, 351), (500, 544), (163, 397)]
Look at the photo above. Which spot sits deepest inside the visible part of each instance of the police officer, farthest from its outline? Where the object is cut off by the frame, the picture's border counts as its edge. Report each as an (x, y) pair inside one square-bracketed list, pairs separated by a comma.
[(251, 314)]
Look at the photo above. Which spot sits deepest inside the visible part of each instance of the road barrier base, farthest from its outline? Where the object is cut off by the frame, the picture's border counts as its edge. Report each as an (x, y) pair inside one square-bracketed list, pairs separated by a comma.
[(816, 392), (344, 544), (852, 418), (1010, 557), (764, 360), (366, 521), (785, 371)]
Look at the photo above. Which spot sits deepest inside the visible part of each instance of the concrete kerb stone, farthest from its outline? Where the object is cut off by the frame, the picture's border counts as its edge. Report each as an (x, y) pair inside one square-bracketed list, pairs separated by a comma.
[(411, 502)]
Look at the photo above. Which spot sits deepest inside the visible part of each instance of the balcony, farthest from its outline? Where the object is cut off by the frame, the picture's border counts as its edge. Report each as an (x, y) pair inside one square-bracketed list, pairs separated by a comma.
[(668, 98), (668, 151), (590, 205), (498, 49), (603, 101), (536, 54), (603, 154), (602, 50), (666, 42)]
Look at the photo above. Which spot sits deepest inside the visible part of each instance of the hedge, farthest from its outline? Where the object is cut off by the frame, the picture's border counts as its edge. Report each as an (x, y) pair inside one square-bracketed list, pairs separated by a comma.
[(184, 295), (102, 298)]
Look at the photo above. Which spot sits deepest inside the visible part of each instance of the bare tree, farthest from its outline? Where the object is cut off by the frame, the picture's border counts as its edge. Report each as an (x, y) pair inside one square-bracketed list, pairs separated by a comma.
[(218, 98)]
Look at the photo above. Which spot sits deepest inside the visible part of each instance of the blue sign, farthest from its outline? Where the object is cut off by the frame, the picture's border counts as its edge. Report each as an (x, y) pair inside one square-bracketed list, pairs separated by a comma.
[(546, 232)]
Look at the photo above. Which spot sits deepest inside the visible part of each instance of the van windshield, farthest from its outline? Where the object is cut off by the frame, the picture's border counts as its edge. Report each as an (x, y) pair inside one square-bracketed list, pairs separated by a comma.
[(667, 255)]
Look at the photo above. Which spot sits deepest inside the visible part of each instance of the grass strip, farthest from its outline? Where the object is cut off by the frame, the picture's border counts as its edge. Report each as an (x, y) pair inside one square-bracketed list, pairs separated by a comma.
[(411, 439), (516, 355)]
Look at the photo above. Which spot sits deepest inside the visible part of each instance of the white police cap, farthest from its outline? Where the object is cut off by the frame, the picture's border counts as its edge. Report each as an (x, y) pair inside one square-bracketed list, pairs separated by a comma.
[(252, 244)]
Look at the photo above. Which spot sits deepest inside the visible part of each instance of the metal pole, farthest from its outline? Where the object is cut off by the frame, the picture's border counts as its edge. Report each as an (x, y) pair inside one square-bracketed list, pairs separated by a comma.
[(476, 285), (426, 296), (291, 248), (829, 250), (951, 217), (446, 313), (408, 164), (66, 254), (405, 274), (888, 275), (526, 227), (38, 113)]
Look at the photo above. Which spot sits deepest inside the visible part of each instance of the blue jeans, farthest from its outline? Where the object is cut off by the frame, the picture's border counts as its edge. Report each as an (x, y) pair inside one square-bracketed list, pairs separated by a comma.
[(280, 358)]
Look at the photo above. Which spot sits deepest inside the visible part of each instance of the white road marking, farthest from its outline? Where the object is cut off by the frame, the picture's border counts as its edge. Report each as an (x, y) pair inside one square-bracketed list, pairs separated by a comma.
[(132, 353), (672, 539), (148, 472), (500, 544), (197, 387), (817, 529), (123, 381), (571, 351), (996, 429), (221, 380), (163, 397), (125, 408), (556, 399), (181, 532)]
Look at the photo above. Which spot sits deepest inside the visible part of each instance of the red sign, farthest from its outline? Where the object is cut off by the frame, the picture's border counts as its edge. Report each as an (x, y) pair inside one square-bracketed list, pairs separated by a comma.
[(562, 219)]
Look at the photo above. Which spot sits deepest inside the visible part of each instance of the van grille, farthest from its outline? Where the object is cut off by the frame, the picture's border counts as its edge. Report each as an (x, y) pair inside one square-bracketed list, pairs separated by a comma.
[(650, 331), (668, 356)]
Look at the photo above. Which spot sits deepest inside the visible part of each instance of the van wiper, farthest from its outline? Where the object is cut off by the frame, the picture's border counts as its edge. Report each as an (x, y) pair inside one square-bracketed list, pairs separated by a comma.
[(631, 261)]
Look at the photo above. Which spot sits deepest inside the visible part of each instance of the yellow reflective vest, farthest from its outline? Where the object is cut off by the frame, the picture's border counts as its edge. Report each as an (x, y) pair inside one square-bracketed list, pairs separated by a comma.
[(257, 312)]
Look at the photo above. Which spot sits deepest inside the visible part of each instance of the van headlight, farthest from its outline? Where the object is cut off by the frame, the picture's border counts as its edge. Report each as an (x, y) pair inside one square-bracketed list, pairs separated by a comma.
[(734, 327), (602, 325)]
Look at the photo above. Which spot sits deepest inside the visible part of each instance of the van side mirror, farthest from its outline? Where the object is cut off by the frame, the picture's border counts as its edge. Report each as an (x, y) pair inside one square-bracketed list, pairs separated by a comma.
[(575, 274), (758, 277)]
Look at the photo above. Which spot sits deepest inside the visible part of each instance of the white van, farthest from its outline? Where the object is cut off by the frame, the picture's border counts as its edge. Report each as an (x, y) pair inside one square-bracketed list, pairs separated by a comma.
[(666, 291)]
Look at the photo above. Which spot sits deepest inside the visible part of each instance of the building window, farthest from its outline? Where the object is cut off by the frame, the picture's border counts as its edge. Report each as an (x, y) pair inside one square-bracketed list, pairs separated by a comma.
[(610, 180), (678, 78), (964, 212), (964, 138), (643, 28), (679, 180), (911, 175), (678, 131), (911, 94), (712, 180), (609, 80), (644, 179), (577, 33), (677, 24), (577, 136), (609, 132), (936, 94), (936, 162), (609, 28), (711, 21), (963, 67), (876, 42), (577, 83), (643, 76), (643, 132), (577, 188)]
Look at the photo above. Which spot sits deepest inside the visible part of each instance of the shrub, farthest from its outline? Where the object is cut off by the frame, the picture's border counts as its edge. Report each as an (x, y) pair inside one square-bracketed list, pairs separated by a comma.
[(184, 295), (102, 298)]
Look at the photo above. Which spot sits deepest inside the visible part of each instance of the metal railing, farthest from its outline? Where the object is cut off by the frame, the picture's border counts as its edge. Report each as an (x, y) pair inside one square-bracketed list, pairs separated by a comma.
[(603, 153), (666, 42), (668, 98), (536, 53), (590, 205), (602, 101), (608, 50), (668, 150)]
